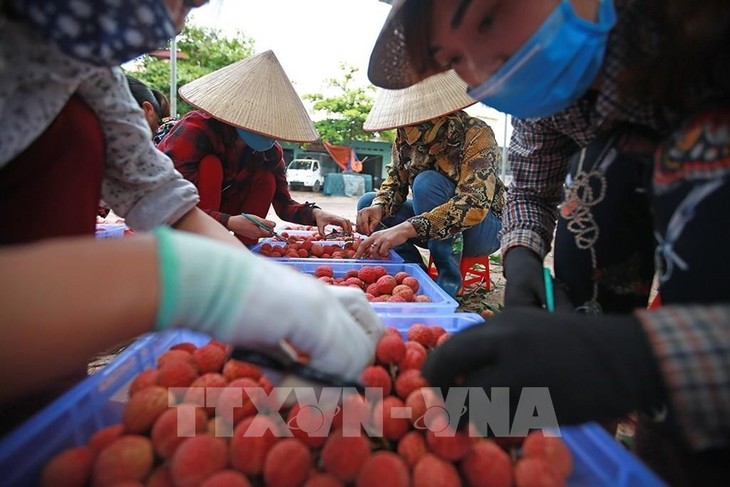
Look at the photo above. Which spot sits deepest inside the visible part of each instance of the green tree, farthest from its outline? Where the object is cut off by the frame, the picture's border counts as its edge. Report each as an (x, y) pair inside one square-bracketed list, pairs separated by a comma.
[(345, 111), (206, 49)]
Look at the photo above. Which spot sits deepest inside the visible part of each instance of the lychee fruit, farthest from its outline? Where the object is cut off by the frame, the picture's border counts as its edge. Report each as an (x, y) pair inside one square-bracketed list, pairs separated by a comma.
[(144, 408), (415, 356), (320, 479), (209, 358), (384, 469), (226, 478), (390, 349), (324, 271), (197, 459), (386, 284), (172, 355), (448, 444), (377, 376), (287, 464), (393, 425), (309, 424), (105, 436), (235, 369), (344, 456), (367, 274), (421, 334), (536, 472), (432, 471), (552, 449), (176, 373), (411, 447), (408, 381), (184, 346), (70, 468), (169, 432), (160, 477), (412, 283), (404, 292), (400, 276), (252, 439), (130, 457), (487, 465), (144, 379)]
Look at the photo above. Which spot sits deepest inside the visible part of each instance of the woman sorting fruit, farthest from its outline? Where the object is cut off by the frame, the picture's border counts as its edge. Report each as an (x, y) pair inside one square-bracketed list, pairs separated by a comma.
[(627, 103), (228, 147), (448, 160)]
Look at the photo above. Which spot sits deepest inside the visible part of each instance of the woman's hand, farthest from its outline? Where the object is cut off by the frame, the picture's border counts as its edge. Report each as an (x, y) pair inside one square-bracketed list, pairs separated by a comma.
[(324, 218), (368, 219), (241, 225), (380, 243)]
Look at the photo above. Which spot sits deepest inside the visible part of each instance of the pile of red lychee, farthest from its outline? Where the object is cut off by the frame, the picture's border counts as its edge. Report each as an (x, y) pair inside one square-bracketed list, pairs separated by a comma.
[(250, 446), (310, 249), (379, 286)]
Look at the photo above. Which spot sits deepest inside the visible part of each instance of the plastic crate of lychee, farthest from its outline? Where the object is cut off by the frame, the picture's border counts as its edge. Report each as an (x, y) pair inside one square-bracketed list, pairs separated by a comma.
[(316, 249), (299, 236), (440, 323), (174, 409), (389, 287)]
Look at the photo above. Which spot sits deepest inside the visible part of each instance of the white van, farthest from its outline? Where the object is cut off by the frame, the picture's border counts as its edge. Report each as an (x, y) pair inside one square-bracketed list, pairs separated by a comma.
[(306, 173)]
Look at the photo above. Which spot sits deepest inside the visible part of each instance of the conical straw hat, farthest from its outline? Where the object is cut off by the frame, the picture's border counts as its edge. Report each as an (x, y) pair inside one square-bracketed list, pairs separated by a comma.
[(390, 64), (253, 94), (433, 97)]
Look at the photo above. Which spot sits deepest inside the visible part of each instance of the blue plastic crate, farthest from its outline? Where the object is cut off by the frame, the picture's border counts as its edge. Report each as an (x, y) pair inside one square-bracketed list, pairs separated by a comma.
[(600, 461), (71, 419), (451, 322), (110, 230), (441, 303), (392, 256), (99, 400)]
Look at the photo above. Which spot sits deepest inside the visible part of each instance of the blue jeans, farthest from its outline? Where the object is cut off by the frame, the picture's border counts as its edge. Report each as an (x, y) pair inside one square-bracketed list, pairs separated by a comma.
[(432, 189)]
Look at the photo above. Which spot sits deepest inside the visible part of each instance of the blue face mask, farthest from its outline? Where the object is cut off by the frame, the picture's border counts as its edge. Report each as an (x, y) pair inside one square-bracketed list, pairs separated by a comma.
[(257, 142), (100, 32), (553, 68)]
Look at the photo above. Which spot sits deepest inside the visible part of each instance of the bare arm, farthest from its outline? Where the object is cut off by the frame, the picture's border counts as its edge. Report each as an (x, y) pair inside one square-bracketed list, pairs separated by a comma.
[(196, 221), (63, 301)]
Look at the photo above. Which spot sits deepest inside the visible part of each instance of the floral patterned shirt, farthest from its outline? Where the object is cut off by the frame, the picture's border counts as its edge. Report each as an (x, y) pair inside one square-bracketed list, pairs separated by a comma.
[(463, 149)]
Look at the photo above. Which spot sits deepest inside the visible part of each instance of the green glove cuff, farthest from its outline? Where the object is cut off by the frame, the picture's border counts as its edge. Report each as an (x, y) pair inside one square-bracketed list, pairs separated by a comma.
[(169, 292), (202, 282)]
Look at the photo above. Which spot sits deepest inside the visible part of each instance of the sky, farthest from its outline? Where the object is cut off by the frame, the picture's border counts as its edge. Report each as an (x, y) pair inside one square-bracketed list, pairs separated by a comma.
[(309, 37)]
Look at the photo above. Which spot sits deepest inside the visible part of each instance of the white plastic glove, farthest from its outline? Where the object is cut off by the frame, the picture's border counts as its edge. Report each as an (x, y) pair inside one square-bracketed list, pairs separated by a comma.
[(241, 298)]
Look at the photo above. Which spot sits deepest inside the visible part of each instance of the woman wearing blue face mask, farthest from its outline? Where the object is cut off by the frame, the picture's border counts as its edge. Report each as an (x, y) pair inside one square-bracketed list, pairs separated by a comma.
[(626, 103), (228, 148)]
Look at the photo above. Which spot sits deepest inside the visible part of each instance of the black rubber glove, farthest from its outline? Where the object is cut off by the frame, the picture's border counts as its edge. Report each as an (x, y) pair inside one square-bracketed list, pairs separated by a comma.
[(525, 285), (595, 367)]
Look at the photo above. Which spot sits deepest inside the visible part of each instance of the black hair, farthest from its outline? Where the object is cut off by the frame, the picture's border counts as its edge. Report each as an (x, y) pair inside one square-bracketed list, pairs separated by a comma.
[(142, 94), (163, 102)]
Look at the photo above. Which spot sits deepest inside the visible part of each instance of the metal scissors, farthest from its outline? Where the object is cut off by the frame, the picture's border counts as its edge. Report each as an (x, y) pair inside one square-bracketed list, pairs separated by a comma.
[(263, 227), (286, 364), (333, 235)]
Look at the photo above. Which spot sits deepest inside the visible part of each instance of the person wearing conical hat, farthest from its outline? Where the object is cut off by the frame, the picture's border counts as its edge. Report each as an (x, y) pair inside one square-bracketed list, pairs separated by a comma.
[(228, 149), (449, 160)]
